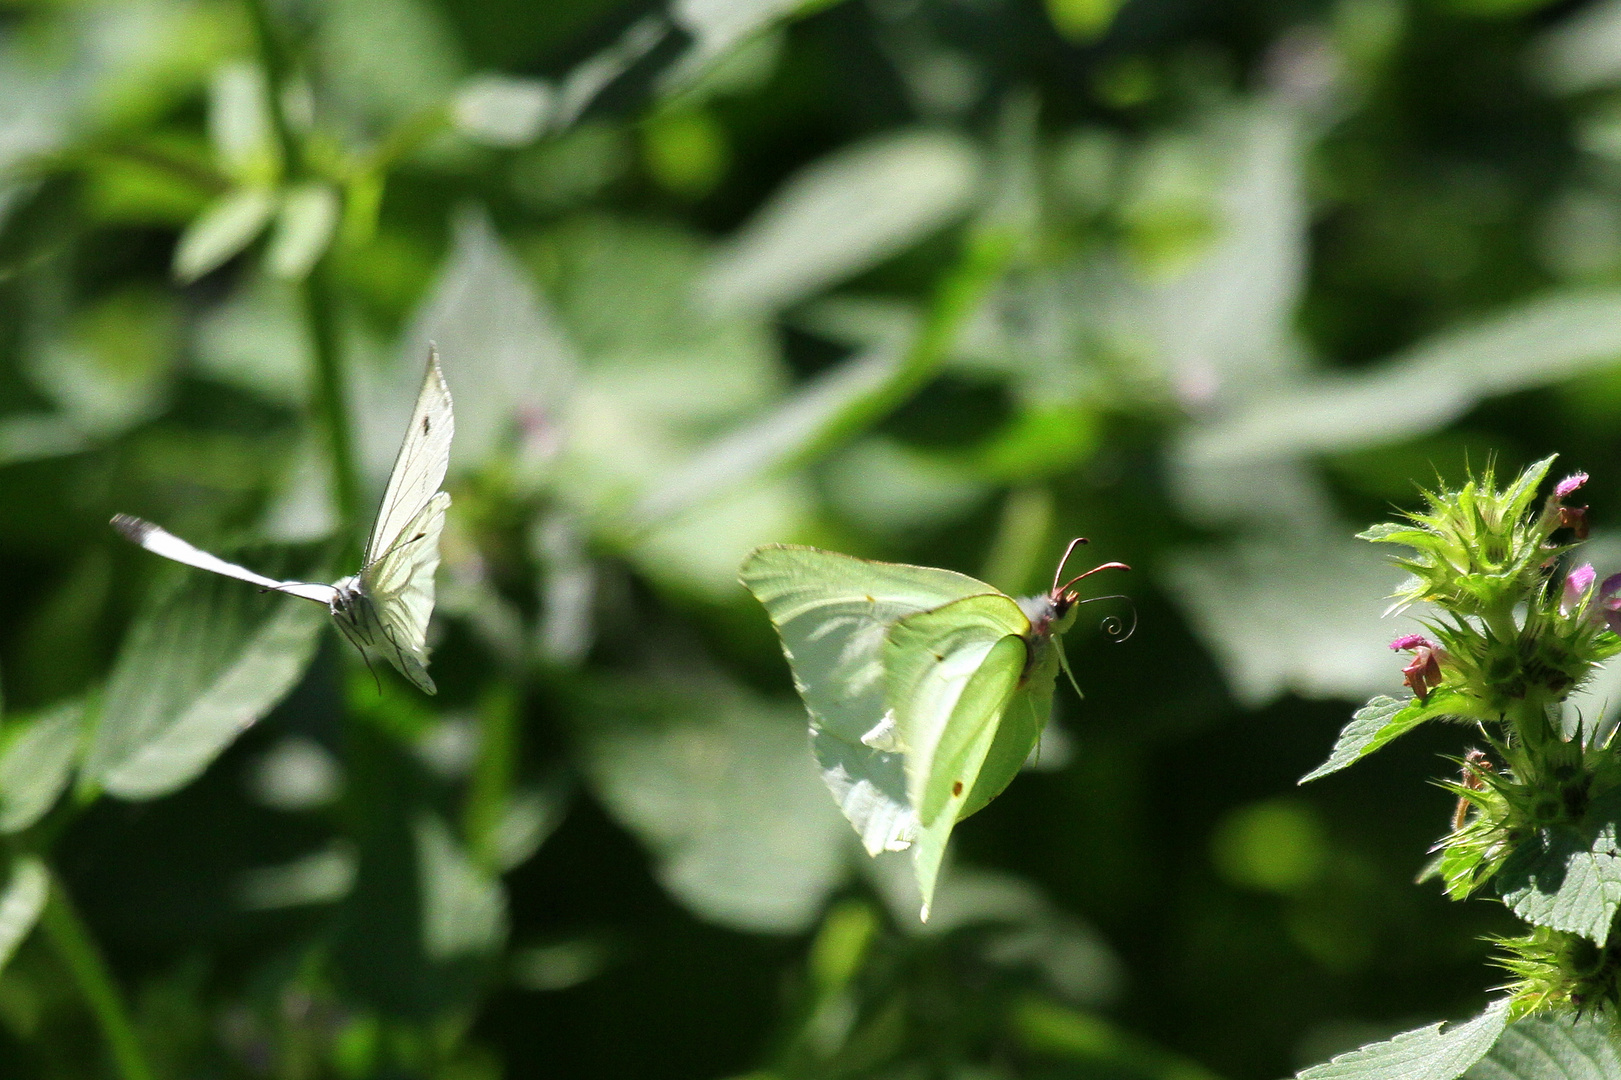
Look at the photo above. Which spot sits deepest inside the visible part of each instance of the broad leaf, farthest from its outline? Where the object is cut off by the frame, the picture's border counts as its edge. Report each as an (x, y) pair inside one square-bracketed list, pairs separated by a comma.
[(500, 110), (1552, 1046), (21, 903), (1382, 720), (842, 215), (716, 783), (1567, 877), (1437, 1052), (201, 665), (36, 764), (304, 228)]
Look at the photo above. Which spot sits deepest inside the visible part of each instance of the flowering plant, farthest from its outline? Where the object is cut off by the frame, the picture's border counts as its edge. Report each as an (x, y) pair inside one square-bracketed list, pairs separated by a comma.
[(1511, 629)]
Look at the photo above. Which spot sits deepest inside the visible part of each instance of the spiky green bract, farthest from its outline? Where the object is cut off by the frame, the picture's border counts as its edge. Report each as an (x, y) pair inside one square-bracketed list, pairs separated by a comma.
[(1552, 969), (1477, 550)]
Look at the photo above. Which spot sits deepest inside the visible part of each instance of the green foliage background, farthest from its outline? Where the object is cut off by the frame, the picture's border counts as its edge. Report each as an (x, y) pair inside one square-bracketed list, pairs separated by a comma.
[(936, 281)]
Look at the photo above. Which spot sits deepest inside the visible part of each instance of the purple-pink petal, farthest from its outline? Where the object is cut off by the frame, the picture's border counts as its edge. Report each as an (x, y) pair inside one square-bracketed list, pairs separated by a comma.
[(1576, 585), (1413, 641), (1569, 485), (1609, 586)]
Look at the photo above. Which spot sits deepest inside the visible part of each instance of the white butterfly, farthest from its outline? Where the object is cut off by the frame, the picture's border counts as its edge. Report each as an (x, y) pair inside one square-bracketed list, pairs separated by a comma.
[(386, 606)]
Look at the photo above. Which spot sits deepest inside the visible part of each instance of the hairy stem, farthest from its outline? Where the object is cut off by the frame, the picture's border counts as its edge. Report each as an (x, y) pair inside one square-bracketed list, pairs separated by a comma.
[(73, 943)]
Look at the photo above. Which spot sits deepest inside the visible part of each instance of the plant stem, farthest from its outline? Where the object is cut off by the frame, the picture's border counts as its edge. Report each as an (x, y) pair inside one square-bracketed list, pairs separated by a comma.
[(71, 938), (331, 403)]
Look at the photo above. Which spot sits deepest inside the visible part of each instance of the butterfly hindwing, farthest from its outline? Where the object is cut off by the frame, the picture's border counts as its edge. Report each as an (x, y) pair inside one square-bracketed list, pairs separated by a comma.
[(399, 585), (833, 613)]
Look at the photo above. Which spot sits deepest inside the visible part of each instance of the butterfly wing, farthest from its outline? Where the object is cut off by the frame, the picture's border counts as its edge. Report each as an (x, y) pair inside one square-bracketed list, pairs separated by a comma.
[(398, 586), (161, 542), (420, 467), (952, 672), (833, 613)]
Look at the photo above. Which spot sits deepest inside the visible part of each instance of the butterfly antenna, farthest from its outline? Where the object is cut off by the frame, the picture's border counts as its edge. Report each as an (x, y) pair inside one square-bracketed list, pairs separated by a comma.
[(1089, 573), (1114, 626), (1073, 544)]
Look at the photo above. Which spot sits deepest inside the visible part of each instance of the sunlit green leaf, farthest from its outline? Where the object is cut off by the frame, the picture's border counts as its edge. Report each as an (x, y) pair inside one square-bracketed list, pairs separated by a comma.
[(464, 909), (1382, 720), (1552, 1045), (501, 110), (36, 763), (1437, 1052), (201, 665), (1568, 877), (241, 127), (304, 228)]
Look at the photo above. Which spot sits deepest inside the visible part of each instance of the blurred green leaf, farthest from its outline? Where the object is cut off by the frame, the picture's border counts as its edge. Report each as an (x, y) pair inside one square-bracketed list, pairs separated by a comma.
[(240, 125), (718, 784), (201, 665), (1437, 1052), (113, 365), (1572, 1048), (36, 763), (255, 340), (304, 228), (1583, 52), (840, 216), (22, 903), (464, 909), (501, 110), (321, 877), (387, 60), (230, 224)]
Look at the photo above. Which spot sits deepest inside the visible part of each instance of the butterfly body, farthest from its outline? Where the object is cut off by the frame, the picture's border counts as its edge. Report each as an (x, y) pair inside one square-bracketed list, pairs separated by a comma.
[(927, 689), (386, 606)]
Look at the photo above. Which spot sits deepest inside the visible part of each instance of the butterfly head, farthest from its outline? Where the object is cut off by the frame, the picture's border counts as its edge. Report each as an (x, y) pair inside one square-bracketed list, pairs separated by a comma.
[(1059, 605)]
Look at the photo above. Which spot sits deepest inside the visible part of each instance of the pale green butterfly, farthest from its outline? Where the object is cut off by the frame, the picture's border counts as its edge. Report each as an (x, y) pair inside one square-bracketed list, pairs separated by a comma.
[(927, 689), (386, 606)]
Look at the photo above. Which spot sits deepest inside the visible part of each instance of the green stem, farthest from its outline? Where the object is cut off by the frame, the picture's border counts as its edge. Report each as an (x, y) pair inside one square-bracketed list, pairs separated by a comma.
[(73, 943), (273, 58), (492, 775), (331, 403)]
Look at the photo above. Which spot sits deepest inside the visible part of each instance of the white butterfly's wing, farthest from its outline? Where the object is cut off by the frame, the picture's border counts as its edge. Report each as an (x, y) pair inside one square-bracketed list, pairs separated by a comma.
[(419, 470), (399, 588), (161, 542)]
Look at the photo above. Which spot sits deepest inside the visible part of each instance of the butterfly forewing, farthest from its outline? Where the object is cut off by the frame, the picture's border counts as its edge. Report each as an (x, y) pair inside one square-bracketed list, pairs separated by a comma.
[(162, 542), (420, 467), (400, 588)]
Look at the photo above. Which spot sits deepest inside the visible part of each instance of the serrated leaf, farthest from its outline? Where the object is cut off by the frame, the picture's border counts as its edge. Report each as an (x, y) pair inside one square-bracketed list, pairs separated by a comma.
[(1568, 878), (22, 903), (1437, 1052), (36, 764), (1381, 720), (1517, 499), (1383, 531), (1552, 1046), (201, 665), (230, 224)]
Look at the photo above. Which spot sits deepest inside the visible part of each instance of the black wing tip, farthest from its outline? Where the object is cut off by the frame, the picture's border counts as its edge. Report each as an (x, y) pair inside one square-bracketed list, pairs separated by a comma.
[(134, 529)]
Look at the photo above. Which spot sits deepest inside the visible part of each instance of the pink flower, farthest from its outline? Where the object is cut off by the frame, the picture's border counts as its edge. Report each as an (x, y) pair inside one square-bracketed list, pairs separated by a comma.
[(1577, 584), (1423, 672), (1569, 484), (1607, 605)]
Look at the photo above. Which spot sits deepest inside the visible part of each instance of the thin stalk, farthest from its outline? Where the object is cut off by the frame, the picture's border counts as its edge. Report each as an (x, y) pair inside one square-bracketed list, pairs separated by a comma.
[(73, 943), (331, 403)]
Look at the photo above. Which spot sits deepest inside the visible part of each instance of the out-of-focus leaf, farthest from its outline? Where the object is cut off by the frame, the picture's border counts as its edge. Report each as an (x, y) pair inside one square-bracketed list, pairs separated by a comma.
[(1549, 1045), (501, 110), (1319, 598), (297, 773), (304, 228), (1541, 342), (36, 763), (256, 341), (1568, 877), (840, 216), (530, 817), (777, 437), (719, 785), (697, 554), (30, 438), (509, 367), (1382, 720), (568, 588), (1583, 52), (201, 665), (387, 60), (717, 25), (322, 877), (891, 489), (22, 903), (240, 125), (559, 966), (588, 80), (1050, 1029), (464, 910), (230, 224), (1437, 1052), (113, 366)]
